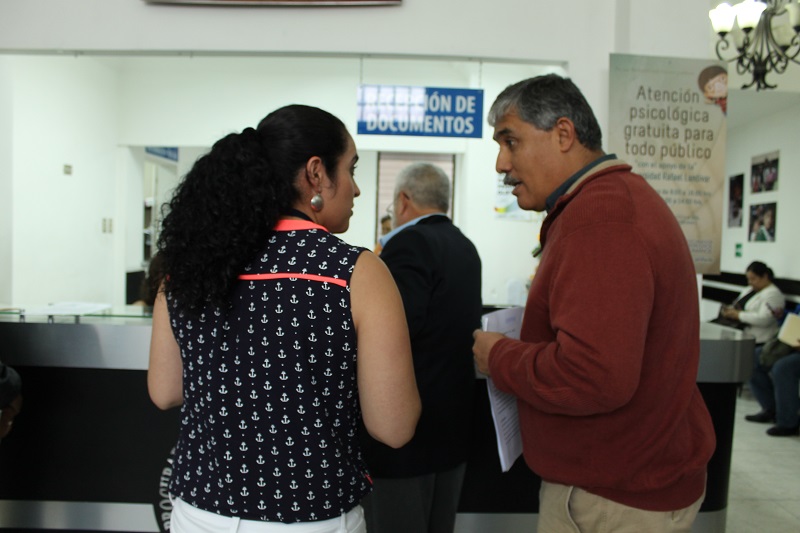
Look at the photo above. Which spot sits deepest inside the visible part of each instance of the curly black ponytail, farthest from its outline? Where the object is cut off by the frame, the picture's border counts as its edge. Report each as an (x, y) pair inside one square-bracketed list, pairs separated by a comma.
[(225, 208)]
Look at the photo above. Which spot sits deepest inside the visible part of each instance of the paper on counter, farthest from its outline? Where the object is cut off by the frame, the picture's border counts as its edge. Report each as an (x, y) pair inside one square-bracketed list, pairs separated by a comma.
[(503, 405)]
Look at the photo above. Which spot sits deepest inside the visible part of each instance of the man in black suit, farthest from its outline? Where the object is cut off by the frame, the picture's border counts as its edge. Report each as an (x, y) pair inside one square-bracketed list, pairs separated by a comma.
[(438, 272)]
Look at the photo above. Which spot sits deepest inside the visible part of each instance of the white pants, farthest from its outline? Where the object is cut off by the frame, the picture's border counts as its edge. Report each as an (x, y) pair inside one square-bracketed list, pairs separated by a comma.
[(189, 519)]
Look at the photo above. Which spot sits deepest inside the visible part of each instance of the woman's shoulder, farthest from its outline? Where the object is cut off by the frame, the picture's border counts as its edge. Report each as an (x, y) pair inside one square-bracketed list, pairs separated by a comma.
[(772, 289), (341, 242)]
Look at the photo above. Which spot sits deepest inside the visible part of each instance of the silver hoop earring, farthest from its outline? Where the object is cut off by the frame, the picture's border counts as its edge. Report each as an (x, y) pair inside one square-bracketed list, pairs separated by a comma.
[(317, 203)]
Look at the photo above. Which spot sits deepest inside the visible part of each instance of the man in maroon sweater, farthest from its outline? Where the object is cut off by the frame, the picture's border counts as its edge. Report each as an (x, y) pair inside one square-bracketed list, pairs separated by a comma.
[(604, 372)]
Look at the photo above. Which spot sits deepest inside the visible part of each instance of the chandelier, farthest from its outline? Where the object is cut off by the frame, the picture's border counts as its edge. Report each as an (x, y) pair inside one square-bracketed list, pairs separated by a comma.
[(767, 37)]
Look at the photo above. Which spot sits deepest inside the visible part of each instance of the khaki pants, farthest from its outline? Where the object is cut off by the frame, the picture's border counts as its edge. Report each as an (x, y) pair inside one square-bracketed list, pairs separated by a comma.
[(564, 509)]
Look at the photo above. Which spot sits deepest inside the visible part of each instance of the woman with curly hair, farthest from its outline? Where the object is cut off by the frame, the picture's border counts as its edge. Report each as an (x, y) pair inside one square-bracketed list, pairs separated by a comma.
[(275, 337)]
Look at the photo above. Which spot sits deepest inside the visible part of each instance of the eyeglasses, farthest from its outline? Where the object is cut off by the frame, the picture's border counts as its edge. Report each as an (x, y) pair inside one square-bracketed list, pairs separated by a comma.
[(390, 210)]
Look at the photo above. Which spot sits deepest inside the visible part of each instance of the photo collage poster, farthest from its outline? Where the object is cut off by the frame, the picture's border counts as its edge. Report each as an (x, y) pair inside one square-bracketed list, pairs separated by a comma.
[(760, 215)]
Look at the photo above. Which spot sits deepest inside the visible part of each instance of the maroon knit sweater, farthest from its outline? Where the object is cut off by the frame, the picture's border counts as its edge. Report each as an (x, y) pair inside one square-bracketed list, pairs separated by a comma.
[(606, 366)]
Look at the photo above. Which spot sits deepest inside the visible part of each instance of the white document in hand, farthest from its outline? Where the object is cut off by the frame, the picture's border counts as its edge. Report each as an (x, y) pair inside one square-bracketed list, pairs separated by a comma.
[(503, 405)]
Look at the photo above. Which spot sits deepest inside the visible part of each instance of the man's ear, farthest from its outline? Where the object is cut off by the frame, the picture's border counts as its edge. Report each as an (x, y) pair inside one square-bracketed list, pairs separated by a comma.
[(402, 203), (565, 131)]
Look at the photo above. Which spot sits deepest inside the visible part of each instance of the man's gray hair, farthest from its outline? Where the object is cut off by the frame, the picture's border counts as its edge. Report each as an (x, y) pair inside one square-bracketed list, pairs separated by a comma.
[(426, 184), (542, 100)]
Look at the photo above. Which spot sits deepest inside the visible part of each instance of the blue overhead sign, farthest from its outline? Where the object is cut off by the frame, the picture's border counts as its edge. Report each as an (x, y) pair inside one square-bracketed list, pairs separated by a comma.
[(422, 111), (167, 152)]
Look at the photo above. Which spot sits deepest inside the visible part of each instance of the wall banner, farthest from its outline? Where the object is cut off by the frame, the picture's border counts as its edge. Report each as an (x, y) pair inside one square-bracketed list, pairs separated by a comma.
[(420, 111), (667, 119)]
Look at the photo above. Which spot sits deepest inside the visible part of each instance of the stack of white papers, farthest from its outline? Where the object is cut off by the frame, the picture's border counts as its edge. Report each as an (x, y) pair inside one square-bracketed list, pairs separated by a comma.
[(503, 405), (790, 330)]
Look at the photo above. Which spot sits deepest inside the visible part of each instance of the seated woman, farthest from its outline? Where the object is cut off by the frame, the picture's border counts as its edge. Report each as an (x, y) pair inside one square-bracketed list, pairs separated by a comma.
[(757, 304)]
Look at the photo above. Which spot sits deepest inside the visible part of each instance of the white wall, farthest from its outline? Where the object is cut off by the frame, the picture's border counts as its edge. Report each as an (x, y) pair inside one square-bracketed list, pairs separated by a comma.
[(188, 100), (130, 209), (64, 113), (581, 33), (777, 132), (6, 190), (160, 99)]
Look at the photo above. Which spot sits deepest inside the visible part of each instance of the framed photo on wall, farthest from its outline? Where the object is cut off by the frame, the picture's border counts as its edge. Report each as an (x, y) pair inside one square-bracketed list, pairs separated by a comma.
[(762, 222), (735, 196), (764, 172)]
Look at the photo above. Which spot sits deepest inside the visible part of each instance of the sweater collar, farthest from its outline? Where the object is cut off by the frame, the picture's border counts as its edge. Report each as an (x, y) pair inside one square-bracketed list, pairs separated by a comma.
[(598, 168), (562, 189)]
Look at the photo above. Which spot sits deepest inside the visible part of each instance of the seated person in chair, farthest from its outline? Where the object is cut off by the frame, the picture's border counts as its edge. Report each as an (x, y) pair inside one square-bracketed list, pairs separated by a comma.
[(754, 309), (777, 389)]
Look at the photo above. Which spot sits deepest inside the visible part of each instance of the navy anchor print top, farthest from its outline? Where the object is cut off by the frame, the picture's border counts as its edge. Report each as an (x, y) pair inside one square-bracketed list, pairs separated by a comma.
[(270, 415)]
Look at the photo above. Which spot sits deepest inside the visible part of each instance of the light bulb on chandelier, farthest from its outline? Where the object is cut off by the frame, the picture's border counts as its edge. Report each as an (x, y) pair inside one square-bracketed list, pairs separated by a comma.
[(766, 35)]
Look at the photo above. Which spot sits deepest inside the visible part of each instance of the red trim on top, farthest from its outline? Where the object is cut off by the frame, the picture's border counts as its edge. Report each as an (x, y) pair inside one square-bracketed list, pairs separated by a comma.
[(294, 225), (284, 275)]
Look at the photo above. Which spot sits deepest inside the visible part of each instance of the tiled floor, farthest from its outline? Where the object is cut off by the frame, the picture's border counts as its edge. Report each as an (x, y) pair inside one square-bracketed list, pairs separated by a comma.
[(764, 493)]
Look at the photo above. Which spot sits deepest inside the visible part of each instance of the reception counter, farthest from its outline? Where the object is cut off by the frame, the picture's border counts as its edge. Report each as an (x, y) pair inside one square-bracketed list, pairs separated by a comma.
[(89, 449), (91, 453)]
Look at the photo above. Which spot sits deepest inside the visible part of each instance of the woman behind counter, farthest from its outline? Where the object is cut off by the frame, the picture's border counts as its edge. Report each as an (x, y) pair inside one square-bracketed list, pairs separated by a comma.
[(275, 336)]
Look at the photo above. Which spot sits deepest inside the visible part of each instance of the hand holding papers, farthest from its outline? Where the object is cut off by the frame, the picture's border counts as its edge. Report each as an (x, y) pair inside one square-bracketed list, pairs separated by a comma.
[(504, 406)]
